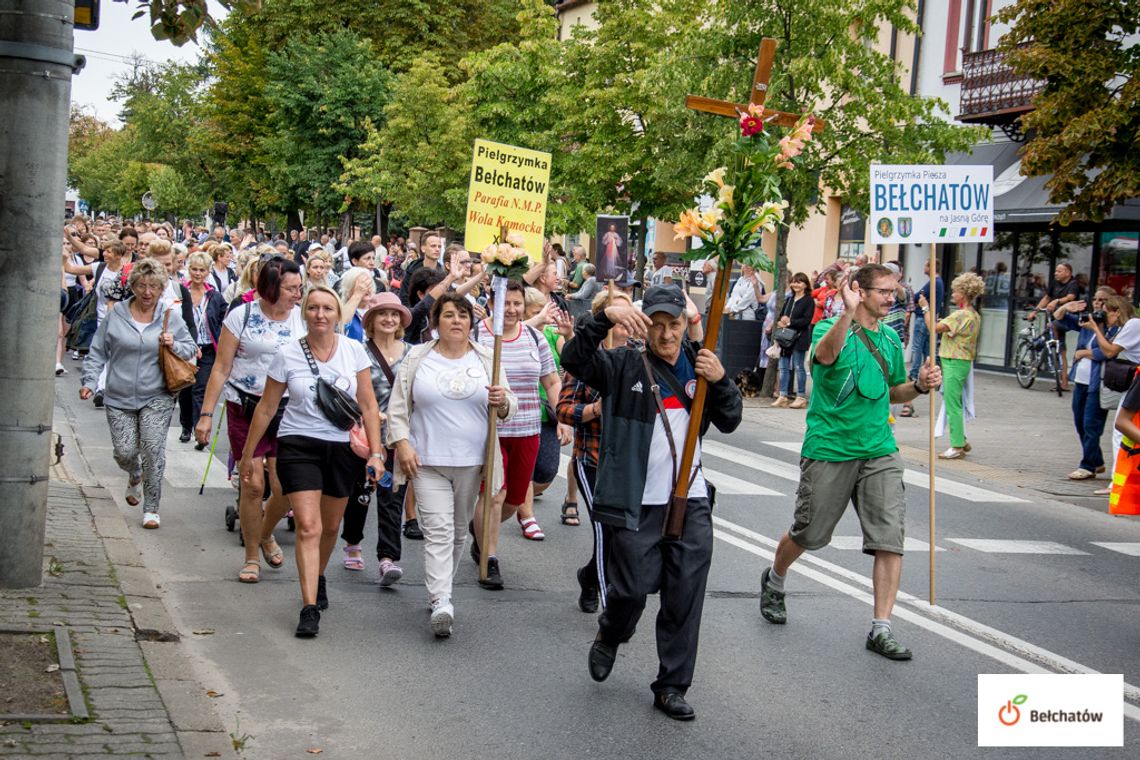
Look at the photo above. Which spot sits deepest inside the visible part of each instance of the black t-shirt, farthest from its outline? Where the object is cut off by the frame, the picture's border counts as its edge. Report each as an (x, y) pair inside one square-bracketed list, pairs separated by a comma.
[(1070, 288)]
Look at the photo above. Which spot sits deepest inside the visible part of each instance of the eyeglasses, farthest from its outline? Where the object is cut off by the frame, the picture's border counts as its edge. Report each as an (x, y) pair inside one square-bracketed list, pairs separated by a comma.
[(882, 291), (145, 287)]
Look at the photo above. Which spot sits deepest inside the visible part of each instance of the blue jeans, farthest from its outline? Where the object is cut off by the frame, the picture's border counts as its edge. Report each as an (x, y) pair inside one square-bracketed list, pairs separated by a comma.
[(1089, 420), (788, 362), (919, 346)]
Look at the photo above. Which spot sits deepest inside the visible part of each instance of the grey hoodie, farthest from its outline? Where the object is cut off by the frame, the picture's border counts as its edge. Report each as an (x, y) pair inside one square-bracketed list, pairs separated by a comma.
[(134, 377)]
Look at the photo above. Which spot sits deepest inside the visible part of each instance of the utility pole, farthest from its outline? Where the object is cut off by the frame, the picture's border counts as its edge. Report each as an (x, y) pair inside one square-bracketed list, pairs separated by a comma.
[(36, 65)]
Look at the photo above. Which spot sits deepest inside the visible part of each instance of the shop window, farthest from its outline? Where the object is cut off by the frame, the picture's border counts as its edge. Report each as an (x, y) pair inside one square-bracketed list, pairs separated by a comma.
[(1118, 253)]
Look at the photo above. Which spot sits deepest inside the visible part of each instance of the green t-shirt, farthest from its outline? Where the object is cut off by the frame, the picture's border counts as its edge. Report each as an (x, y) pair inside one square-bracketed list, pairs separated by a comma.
[(847, 417)]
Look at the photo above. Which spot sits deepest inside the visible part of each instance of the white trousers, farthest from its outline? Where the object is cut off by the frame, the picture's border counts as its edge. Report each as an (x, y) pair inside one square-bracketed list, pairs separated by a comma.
[(445, 504)]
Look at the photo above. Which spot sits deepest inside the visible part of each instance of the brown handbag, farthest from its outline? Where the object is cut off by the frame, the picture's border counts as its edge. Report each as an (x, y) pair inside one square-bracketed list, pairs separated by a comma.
[(176, 371)]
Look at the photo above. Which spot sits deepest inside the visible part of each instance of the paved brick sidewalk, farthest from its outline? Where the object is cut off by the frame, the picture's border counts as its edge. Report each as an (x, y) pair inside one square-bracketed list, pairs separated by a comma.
[(81, 592)]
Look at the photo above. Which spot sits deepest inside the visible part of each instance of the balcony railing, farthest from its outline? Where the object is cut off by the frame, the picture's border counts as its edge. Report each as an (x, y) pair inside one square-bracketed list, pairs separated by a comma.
[(992, 92)]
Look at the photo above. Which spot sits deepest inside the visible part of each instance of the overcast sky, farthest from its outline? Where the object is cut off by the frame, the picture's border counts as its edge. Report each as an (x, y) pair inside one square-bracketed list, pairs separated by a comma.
[(106, 48)]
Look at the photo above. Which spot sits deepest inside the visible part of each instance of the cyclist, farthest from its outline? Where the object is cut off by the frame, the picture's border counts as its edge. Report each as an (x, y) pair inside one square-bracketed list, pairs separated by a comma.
[(1064, 290)]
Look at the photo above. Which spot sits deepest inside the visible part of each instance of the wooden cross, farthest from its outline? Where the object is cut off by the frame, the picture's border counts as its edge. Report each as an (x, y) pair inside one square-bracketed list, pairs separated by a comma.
[(675, 516), (759, 94)]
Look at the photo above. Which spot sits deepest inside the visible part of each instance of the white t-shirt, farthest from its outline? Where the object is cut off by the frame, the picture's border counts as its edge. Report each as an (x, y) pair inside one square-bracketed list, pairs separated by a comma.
[(1083, 372), (449, 423), (101, 300), (1129, 339), (662, 276), (258, 342), (302, 415)]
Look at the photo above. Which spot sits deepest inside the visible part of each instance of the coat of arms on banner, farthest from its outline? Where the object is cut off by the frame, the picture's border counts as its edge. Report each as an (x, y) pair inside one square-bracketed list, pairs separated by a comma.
[(906, 226)]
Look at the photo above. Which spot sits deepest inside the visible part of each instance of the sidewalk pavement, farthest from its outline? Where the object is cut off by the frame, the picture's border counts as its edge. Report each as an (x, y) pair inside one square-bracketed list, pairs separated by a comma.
[(1021, 438), (137, 683)]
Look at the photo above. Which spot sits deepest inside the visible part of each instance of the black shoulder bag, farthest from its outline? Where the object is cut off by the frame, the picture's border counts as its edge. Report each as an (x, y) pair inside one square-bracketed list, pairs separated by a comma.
[(338, 407)]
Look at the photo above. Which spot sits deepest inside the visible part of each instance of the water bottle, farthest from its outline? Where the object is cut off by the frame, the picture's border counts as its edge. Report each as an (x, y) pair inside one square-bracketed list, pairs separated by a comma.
[(386, 480)]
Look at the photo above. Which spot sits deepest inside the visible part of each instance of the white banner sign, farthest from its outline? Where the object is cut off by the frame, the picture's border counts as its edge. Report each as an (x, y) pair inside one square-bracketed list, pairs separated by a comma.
[(932, 204)]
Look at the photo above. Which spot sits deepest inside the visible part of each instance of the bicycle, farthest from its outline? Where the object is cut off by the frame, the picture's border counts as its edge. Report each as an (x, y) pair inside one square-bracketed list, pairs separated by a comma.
[(1038, 351)]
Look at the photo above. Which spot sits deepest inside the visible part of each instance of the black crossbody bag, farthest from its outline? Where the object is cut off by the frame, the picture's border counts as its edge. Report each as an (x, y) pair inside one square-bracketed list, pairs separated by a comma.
[(338, 407)]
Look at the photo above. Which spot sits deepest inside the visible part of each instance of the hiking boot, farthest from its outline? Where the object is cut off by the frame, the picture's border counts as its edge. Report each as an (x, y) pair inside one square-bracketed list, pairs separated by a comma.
[(772, 606), (888, 646)]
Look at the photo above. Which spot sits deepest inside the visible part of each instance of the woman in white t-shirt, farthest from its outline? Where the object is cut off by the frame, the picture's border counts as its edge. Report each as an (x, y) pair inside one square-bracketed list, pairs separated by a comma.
[(252, 334), (316, 464), (437, 423)]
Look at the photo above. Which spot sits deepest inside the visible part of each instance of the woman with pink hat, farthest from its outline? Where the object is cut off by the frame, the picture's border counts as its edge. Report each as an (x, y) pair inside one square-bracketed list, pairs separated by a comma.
[(384, 322)]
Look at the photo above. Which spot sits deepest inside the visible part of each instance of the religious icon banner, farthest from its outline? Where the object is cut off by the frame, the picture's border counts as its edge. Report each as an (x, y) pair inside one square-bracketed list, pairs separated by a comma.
[(613, 252), (508, 188), (932, 204)]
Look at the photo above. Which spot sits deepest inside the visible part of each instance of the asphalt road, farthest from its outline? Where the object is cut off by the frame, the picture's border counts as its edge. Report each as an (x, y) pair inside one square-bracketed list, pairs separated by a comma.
[(512, 680)]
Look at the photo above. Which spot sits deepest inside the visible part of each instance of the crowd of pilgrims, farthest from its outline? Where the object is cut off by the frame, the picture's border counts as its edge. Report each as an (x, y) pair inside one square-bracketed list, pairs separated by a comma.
[(263, 318)]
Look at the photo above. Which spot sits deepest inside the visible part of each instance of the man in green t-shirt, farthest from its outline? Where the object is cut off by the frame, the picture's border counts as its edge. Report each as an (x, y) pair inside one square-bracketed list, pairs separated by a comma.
[(849, 451)]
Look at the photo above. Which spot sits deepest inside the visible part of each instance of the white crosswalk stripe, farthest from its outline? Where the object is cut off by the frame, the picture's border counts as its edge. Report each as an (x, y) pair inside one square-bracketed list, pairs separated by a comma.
[(1012, 546), (1132, 550), (916, 478), (725, 484)]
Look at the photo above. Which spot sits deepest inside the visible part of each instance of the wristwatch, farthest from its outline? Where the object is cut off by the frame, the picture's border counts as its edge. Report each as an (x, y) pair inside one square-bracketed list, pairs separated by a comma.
[(919, 389), (205, 414)]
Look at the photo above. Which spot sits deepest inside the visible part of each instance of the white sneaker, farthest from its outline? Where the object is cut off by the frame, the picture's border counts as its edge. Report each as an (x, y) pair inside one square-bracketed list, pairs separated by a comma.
[(134, 492), (75, 356), (952, 453), (150, 520), (442, 616), (59, 370)]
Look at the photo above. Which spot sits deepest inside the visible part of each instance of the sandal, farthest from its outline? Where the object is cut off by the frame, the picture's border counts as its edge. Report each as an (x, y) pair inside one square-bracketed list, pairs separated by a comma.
[(531, 529), (274, 557), (907, 411), (250, 571), (353, 557), (568, 517)]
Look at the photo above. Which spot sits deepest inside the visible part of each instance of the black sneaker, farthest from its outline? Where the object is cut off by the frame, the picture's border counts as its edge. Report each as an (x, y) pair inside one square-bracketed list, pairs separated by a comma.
[(412, 530), (588, 597), (494, 580), (98, 400), (475, 555), (322, 594), (185, 437), (310, 624), (771, 601)]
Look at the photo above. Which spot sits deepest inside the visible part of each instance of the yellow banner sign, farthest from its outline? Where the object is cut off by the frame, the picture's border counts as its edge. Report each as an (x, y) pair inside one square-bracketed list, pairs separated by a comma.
[(508, 188)]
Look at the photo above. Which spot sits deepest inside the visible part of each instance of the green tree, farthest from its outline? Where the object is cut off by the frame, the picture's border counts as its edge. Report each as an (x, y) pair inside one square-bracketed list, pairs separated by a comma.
[(1085, 127), (85, 133), (418, 161), (322, 90)]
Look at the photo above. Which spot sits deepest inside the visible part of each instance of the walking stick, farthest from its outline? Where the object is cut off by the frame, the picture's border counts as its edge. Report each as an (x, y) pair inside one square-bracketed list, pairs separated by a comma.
[(675, 516), (213, 445), (931, 313)]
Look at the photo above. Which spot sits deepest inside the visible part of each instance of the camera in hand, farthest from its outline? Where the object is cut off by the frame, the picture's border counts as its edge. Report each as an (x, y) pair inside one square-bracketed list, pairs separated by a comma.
[(1100, 317)]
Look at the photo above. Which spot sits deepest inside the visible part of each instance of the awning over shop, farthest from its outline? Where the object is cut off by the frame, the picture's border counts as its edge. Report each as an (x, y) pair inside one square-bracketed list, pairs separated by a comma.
[(1019, 199)]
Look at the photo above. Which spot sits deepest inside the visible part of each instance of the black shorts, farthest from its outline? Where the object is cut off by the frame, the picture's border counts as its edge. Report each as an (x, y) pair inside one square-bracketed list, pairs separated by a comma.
[(312, 464), (549, 454)]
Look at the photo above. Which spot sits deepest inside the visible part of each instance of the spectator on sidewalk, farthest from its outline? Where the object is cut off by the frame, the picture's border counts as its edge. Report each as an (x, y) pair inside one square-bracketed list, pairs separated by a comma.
[(589, 287), (957, 349), (796, 316), (747, 299), (1089, 413), (1065, 288)]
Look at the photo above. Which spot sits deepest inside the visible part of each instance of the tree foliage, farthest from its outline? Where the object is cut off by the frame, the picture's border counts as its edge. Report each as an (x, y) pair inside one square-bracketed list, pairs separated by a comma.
[(1085, 127)]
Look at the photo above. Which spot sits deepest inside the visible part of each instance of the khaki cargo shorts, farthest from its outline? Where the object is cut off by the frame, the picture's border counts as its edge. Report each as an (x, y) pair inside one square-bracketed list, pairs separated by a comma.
[(875, 486)]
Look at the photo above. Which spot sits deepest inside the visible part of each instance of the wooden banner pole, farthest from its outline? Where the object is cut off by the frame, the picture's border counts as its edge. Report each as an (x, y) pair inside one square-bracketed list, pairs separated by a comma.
[(490, 514), (932, 320), (675, 516)]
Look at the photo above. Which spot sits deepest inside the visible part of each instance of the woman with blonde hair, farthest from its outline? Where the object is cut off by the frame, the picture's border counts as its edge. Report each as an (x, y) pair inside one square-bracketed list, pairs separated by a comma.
[(356, 287), (139, 406), (245, 286), (318, 271), (317, 466), (222, 273), (957, 350), (208, 308)]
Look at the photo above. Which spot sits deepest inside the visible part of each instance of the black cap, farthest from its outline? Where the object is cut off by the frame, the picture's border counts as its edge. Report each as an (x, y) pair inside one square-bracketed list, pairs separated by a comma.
[(666, 298)]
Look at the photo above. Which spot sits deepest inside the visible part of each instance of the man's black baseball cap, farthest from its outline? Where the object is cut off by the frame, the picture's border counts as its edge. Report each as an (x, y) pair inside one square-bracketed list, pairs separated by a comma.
[(666, 298)]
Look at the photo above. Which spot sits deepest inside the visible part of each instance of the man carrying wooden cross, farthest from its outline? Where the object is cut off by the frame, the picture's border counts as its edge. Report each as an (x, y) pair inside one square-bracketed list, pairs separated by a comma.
[(646, 399)]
